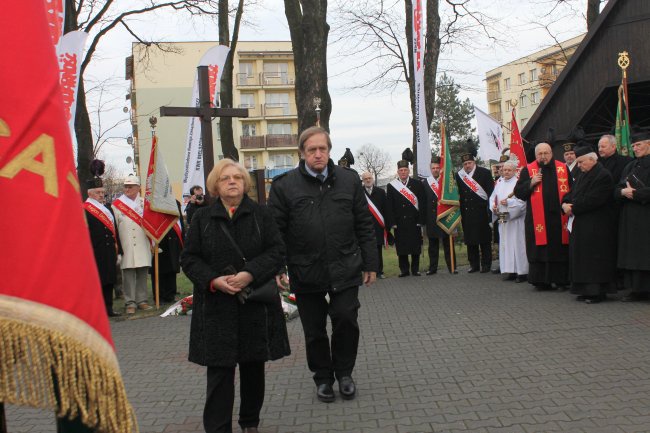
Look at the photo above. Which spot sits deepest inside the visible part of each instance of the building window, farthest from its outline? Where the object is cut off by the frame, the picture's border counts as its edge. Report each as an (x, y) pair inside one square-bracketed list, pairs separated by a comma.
[(523, 101), (508, 105), (245, 75), (282, 160), (248, 129), (277, 101), (279, 128), (506, 84), (250, 162), (247, 100), (534, 98), (522, 78), (276, 73), (533, 75)]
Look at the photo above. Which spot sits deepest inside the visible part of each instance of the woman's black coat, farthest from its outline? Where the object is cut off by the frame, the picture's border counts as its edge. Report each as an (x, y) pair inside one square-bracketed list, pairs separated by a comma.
[(223, 331)]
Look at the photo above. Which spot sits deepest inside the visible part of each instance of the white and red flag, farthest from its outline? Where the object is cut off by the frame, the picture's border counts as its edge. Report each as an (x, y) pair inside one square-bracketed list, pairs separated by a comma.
[(55, 13), (56, 349), (516, 143), (160, 208)]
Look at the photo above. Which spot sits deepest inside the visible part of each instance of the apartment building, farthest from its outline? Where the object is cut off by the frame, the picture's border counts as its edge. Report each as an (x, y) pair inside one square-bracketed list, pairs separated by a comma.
[(263, 79), (523, 83)]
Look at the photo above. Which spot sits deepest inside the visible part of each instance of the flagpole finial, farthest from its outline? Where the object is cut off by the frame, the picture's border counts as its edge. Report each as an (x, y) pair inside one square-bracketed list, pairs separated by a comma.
[(317, 102), (623, 60), (153, 120)]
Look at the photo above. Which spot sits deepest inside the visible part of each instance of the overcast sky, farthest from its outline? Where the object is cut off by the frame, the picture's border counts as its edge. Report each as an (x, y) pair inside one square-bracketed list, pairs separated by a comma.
[(357, 118)]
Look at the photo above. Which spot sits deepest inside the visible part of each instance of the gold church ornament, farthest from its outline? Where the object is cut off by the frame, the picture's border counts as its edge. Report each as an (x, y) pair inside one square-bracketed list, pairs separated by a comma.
[(623, 61)]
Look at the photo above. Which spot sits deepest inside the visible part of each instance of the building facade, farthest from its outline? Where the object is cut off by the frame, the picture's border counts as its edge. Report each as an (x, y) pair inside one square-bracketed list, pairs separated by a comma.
[(523, 83), (263, 82)]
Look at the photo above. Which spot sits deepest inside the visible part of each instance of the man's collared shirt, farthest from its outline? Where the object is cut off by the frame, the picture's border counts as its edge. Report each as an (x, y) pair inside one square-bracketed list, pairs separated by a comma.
[(314, 174)]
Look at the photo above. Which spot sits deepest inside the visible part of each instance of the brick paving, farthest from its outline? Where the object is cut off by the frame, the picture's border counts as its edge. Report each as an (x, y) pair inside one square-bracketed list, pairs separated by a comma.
[(465, 353)]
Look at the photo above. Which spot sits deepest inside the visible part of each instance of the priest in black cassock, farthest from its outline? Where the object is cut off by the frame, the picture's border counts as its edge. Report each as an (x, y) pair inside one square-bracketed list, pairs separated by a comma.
[(633, 191), (406, 215), (590, 207), (542, 184), (376, 198), (475, 185)]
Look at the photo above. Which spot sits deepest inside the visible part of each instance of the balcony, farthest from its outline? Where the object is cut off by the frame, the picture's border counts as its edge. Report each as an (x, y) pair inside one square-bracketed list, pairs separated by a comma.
[(279, 109), (494, 95), (265, 79), (252, 141), (253, 110), (497, 115), (547, 79), (269, 141), (282, 140)]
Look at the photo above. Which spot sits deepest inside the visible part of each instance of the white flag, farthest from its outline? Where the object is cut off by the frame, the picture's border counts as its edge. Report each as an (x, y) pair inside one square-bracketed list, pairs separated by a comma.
[(490, 136), (69, 52), (423, 146), (214, 59)]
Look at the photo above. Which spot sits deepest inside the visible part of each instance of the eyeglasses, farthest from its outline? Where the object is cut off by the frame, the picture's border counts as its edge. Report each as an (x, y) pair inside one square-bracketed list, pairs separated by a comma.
[(237, 177)]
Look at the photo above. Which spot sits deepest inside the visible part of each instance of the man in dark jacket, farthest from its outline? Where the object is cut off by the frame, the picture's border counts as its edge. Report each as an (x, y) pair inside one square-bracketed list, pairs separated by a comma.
[(331, 250), (104, 238), (589, 204), (475, 185), (610, 159), (197, 201), (377, 205), (434, 232), (406, 214)]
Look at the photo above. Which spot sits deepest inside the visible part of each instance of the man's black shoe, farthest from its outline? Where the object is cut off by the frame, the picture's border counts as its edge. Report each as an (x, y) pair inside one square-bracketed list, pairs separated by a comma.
[(485, 270), (472, 270), (114, 314), (403, 274), (454, 273), (521, 279), (381, 276), (509, 277), (432, 271), (325, 393), (347, 388), (416, 274), (496, 271)]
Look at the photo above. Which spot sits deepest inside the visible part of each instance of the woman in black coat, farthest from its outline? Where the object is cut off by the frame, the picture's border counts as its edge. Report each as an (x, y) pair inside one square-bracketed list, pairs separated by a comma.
[(225, 332)]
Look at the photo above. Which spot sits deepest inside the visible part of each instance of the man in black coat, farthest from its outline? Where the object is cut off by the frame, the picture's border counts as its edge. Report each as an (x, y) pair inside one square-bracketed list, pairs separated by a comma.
[(610, 158), (570, 160), (435, 234), (169, 261), (592, 259), (633, 191), (104, 238), (542, 184), (377, 205), (406, 214), (475, 185), (197, 201), (324, 219)]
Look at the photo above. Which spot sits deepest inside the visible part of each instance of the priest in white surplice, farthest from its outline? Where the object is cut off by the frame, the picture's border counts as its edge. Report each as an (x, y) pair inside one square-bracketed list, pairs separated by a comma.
[(512, 245)]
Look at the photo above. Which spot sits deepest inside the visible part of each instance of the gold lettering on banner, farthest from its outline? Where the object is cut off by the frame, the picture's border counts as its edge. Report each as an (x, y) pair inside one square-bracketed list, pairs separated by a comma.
[(539, 228), (72, 179), (4, 129), (26, 160)]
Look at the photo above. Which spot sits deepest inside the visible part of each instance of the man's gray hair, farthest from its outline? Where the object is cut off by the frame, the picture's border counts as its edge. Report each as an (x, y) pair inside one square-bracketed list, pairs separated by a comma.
[(542, 144), (610, 138), (511, 163), (592, 155)]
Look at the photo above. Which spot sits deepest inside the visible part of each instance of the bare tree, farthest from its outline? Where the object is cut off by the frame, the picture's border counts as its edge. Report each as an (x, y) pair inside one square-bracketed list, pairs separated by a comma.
[(372, 159), (104, 101), (309, 31), (98, 18)]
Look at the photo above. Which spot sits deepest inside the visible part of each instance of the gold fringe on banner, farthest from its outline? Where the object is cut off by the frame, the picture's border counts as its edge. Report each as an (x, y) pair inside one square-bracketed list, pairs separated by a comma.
[(50, 359)]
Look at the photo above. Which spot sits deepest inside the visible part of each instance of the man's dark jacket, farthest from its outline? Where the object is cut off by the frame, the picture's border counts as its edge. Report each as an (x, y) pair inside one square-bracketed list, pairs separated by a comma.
[(327, 228), (105, 247), (615, 165), (474, 210)]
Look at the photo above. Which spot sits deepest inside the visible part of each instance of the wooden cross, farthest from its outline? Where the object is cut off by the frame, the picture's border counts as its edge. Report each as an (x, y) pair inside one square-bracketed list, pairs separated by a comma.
[(206, 112)]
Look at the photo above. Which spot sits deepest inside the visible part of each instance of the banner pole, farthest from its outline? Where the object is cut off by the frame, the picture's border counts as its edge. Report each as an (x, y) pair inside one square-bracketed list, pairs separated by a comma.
[(3, 422), (156, 279), (452, 253)]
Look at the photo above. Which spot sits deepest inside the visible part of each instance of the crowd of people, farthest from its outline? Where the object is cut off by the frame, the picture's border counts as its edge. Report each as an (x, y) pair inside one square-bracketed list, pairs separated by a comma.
[(577, 223)]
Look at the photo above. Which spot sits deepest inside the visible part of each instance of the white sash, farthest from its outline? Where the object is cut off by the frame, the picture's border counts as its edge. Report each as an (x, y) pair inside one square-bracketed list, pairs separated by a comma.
[(473, 185), (406, 193), (101, 208), (375, 212), (434, 185)]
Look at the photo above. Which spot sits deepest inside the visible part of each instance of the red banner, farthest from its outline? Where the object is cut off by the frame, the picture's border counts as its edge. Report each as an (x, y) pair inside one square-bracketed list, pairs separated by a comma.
[(516, 143), (154, 222), (53, 322)]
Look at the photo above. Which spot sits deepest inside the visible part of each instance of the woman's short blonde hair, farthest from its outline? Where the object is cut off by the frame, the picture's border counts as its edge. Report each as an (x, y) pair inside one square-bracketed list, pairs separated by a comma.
[(213, 178)]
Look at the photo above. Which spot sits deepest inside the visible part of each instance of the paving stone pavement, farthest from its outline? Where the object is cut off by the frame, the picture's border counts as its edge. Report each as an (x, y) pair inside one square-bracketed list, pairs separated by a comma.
[(465, 353)]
